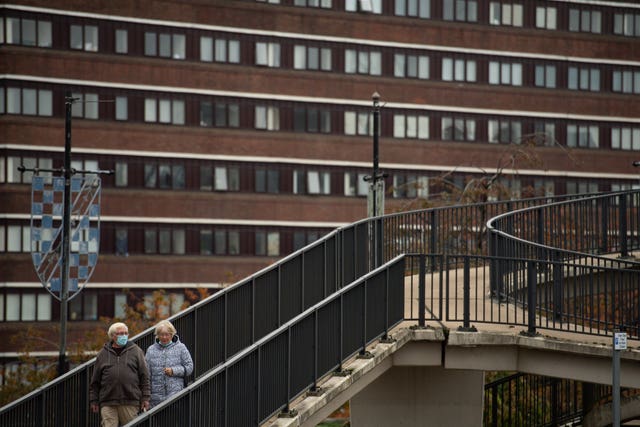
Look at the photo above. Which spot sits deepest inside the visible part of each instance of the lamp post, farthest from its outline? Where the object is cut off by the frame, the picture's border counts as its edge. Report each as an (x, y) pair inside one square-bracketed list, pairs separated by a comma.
[(375, 202), (376, 156)]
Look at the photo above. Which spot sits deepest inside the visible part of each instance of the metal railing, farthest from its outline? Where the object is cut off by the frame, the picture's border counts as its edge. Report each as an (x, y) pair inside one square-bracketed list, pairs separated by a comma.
[(532, 400), (234, 318), (265, 377), (451, 240), (220, 326)]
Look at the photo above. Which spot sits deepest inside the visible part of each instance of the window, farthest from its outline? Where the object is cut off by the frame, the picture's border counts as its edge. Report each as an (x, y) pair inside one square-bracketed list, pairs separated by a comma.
[(545, 133), (312, 120), (122, 108), (29, 101), (268, 54), (411, 66), (206, 242), (319, 182), (233, 243), (220, 178), (458, 69), (164, 175), (85, 105), (410, 126), (84, 306), (299, 182), (410, 186), (219, 49), (581, 187), (583, 136), (413, 8), (303, 238), (545, 76), (506, 13), (587, 21), (122, 41), (458, 129), (355, 185), (626, 81), (26, 306), (168, 111), (165, 45), (13, 175), (267, 243), (370, 6), (505, 131), (584, 79), (267, 180), (26, 32), (83, 37), (362, 62), (267, 117), (547, 186), (122, 242), (227, 178), (219, 114), (358, 123), (122, 174), (313, 3), (164, 241), (626, 24), (460, 10), (625, 138), (505, 73), (546, 17), (311, 58)]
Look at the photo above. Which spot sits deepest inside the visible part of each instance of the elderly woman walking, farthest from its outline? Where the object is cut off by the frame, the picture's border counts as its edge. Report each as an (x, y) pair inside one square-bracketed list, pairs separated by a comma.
[(169, 363)]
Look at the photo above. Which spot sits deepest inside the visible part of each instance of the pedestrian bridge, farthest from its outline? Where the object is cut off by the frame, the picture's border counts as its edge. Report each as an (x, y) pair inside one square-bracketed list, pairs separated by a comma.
[(535, 286)]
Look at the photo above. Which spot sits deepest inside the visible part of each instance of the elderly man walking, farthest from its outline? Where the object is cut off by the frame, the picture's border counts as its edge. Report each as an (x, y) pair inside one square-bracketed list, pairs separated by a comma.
[(119, 387)]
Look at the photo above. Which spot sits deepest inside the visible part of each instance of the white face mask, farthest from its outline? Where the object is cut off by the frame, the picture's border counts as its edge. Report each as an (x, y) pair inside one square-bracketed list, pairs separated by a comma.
[(122, 340)]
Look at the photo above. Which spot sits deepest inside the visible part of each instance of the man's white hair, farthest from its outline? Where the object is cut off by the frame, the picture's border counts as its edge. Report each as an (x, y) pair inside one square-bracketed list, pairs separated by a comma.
[(113, 328)]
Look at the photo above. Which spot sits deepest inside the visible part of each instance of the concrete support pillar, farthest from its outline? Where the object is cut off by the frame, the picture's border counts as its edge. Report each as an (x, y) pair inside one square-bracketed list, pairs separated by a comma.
[(420, 396)]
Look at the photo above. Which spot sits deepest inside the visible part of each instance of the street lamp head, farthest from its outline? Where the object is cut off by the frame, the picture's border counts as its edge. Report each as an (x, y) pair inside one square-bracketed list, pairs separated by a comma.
[(636, 163), (376, 98)]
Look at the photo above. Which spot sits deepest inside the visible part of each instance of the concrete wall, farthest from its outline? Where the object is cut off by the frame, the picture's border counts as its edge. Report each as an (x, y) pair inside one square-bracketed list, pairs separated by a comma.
[(420, 396)]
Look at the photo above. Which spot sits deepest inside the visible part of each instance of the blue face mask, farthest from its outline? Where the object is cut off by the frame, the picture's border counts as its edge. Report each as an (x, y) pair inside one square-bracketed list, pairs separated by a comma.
[(122, 340)]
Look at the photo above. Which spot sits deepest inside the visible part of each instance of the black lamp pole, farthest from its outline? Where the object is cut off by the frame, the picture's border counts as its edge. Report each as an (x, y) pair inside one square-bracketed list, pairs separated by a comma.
[(66, 231), (376, 140)]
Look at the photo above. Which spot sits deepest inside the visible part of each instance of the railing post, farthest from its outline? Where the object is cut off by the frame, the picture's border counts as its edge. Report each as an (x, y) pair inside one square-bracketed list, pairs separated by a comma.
[(364, 354), (623, 226), (494, 406), (466, 299), (604, 231), (421, 291), (531, 298), (432, 233), (557, 287), (540, 232)]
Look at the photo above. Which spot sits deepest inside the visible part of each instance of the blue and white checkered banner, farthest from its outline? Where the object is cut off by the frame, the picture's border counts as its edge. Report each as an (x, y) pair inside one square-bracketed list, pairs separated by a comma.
[(47, 207)]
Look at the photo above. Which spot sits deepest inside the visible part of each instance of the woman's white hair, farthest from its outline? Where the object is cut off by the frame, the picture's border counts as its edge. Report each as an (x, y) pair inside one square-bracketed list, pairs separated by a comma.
[(113, 328), (165, 325)]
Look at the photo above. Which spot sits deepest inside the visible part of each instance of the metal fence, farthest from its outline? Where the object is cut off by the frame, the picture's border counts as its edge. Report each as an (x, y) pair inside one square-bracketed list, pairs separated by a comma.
[(262, 379), (510, 257), (532, 400)]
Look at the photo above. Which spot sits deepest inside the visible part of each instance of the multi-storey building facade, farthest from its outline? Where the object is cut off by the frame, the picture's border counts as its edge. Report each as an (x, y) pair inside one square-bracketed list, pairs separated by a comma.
[(239, 131)]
